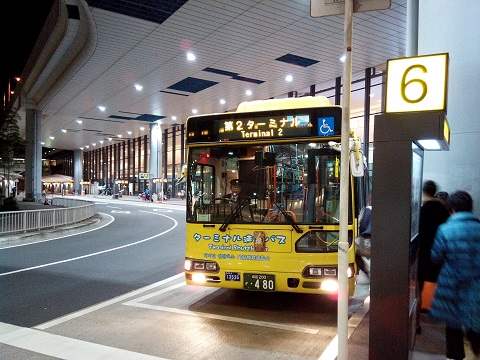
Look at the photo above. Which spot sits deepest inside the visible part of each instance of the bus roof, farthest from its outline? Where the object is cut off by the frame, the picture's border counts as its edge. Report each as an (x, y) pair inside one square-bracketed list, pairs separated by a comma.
[(274, 119), (305, 102)]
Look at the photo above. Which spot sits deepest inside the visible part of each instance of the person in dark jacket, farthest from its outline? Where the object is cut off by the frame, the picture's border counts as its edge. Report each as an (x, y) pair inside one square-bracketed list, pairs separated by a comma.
[(432, 214), (443, 196), (457, 298)]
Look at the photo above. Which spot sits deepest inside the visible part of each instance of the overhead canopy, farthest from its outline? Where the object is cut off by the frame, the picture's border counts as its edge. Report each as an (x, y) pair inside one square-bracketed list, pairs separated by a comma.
[(113, 68)]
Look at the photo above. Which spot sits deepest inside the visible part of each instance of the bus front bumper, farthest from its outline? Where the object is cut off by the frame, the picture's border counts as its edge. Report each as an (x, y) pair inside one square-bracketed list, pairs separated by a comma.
[(285, 282)]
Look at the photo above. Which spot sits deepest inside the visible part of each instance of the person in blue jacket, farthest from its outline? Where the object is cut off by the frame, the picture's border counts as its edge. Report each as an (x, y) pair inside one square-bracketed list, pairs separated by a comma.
[(457, 298)]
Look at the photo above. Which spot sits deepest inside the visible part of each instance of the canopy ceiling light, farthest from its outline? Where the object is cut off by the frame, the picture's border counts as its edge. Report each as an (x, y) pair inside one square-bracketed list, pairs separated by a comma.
[(191, 56)]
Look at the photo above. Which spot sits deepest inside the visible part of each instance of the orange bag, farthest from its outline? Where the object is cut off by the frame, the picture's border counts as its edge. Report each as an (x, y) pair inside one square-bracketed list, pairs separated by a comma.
[(428, 293)]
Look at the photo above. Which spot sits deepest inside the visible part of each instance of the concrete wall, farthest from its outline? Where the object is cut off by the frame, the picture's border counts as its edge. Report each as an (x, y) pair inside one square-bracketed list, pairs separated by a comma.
[(452, 26)]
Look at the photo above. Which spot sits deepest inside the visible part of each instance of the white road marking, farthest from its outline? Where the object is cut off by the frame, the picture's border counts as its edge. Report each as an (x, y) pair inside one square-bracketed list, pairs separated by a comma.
[(138, 304), (112, 219), (161, 210), (331, 351), (63, 347), (175, 224), (155, 293), (120, 212), (114, 207), (106, 303), (154, 212), (268, 324)]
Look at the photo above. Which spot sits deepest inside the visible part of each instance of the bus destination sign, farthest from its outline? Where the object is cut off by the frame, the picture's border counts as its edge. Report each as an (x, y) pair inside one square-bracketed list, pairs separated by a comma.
[(267, 127), (323, 122)]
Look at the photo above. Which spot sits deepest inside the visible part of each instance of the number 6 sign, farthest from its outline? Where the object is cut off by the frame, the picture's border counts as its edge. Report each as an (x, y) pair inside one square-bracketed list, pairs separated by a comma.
[(417, 83)]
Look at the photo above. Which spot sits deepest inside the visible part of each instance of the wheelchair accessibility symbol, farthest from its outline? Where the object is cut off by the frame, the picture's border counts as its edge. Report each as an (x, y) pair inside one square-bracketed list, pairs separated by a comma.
[(326, 126)]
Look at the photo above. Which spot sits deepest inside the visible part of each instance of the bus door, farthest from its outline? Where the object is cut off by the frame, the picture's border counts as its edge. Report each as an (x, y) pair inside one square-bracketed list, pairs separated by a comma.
[(203, 191), (323, 181)]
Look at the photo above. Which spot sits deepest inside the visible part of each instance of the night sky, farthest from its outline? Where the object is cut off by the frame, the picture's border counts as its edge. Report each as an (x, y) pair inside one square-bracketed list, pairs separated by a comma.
[(20, 22)]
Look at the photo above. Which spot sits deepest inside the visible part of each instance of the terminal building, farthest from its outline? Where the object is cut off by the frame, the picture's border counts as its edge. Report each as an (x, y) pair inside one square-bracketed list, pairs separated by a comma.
[(115, 84)]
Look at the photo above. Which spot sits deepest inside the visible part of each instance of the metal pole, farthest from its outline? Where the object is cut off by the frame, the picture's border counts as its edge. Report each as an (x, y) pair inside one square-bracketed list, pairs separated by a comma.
[(366, 125), (342, 312), (412, 27)]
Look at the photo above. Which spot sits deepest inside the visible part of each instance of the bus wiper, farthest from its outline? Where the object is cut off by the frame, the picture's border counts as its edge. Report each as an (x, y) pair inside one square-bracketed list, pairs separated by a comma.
[(289, 218), (234, 214), (332, 217)]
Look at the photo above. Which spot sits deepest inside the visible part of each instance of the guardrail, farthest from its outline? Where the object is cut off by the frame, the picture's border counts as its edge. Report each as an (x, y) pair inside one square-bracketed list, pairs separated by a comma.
[(70, 212)]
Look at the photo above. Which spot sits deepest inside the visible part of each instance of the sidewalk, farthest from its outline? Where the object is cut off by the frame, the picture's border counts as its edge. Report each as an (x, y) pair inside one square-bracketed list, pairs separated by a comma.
[(176, 202), (429, 345)]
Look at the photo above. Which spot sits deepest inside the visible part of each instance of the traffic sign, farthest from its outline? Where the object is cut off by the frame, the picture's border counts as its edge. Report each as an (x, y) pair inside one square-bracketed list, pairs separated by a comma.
[(319, 8), (417, 83), (143, 176)]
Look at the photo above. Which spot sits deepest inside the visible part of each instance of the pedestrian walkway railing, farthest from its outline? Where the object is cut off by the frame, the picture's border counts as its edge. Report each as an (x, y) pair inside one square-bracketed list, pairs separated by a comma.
[(63, 212)]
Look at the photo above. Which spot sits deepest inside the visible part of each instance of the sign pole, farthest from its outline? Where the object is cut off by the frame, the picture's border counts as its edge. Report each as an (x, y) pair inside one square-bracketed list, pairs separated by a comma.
[(342, 312)]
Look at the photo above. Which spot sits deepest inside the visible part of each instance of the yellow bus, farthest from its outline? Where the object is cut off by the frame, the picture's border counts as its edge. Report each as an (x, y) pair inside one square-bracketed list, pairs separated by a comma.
[(263, 195)]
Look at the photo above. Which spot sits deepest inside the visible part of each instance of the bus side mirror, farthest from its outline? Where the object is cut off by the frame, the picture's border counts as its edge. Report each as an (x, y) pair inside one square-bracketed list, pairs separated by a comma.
[(356, 164)]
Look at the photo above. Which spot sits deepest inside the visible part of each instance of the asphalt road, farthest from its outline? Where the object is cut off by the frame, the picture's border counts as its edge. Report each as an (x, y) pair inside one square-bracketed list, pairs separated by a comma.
[(140, 247)]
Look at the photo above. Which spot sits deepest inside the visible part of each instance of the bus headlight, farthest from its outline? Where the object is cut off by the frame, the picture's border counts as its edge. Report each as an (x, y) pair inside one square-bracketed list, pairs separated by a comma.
[(199, 278), (329, 285), (318, 271), (200, 265), (197, 265), (315, 271), (211, 266)]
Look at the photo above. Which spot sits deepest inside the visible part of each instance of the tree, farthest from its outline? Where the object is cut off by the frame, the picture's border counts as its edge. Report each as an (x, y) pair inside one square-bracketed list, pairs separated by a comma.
[(9, 141)]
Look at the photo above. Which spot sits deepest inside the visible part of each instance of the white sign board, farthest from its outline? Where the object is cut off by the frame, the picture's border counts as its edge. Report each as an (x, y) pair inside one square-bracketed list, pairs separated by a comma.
[(417, 83), (319, 8), (143, 176)]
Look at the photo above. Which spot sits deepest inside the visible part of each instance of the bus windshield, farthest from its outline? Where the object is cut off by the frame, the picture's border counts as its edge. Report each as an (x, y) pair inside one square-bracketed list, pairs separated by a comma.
[(264, 184)]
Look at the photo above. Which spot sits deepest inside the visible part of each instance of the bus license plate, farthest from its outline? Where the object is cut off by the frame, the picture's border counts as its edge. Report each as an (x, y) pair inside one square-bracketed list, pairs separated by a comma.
[(259, 282), (232, 276)]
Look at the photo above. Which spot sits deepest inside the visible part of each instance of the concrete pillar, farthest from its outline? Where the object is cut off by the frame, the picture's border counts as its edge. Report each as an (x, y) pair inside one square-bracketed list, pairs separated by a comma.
[(412, 28), (451, 26), (155, 155), (77, 171), (33, 155)]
